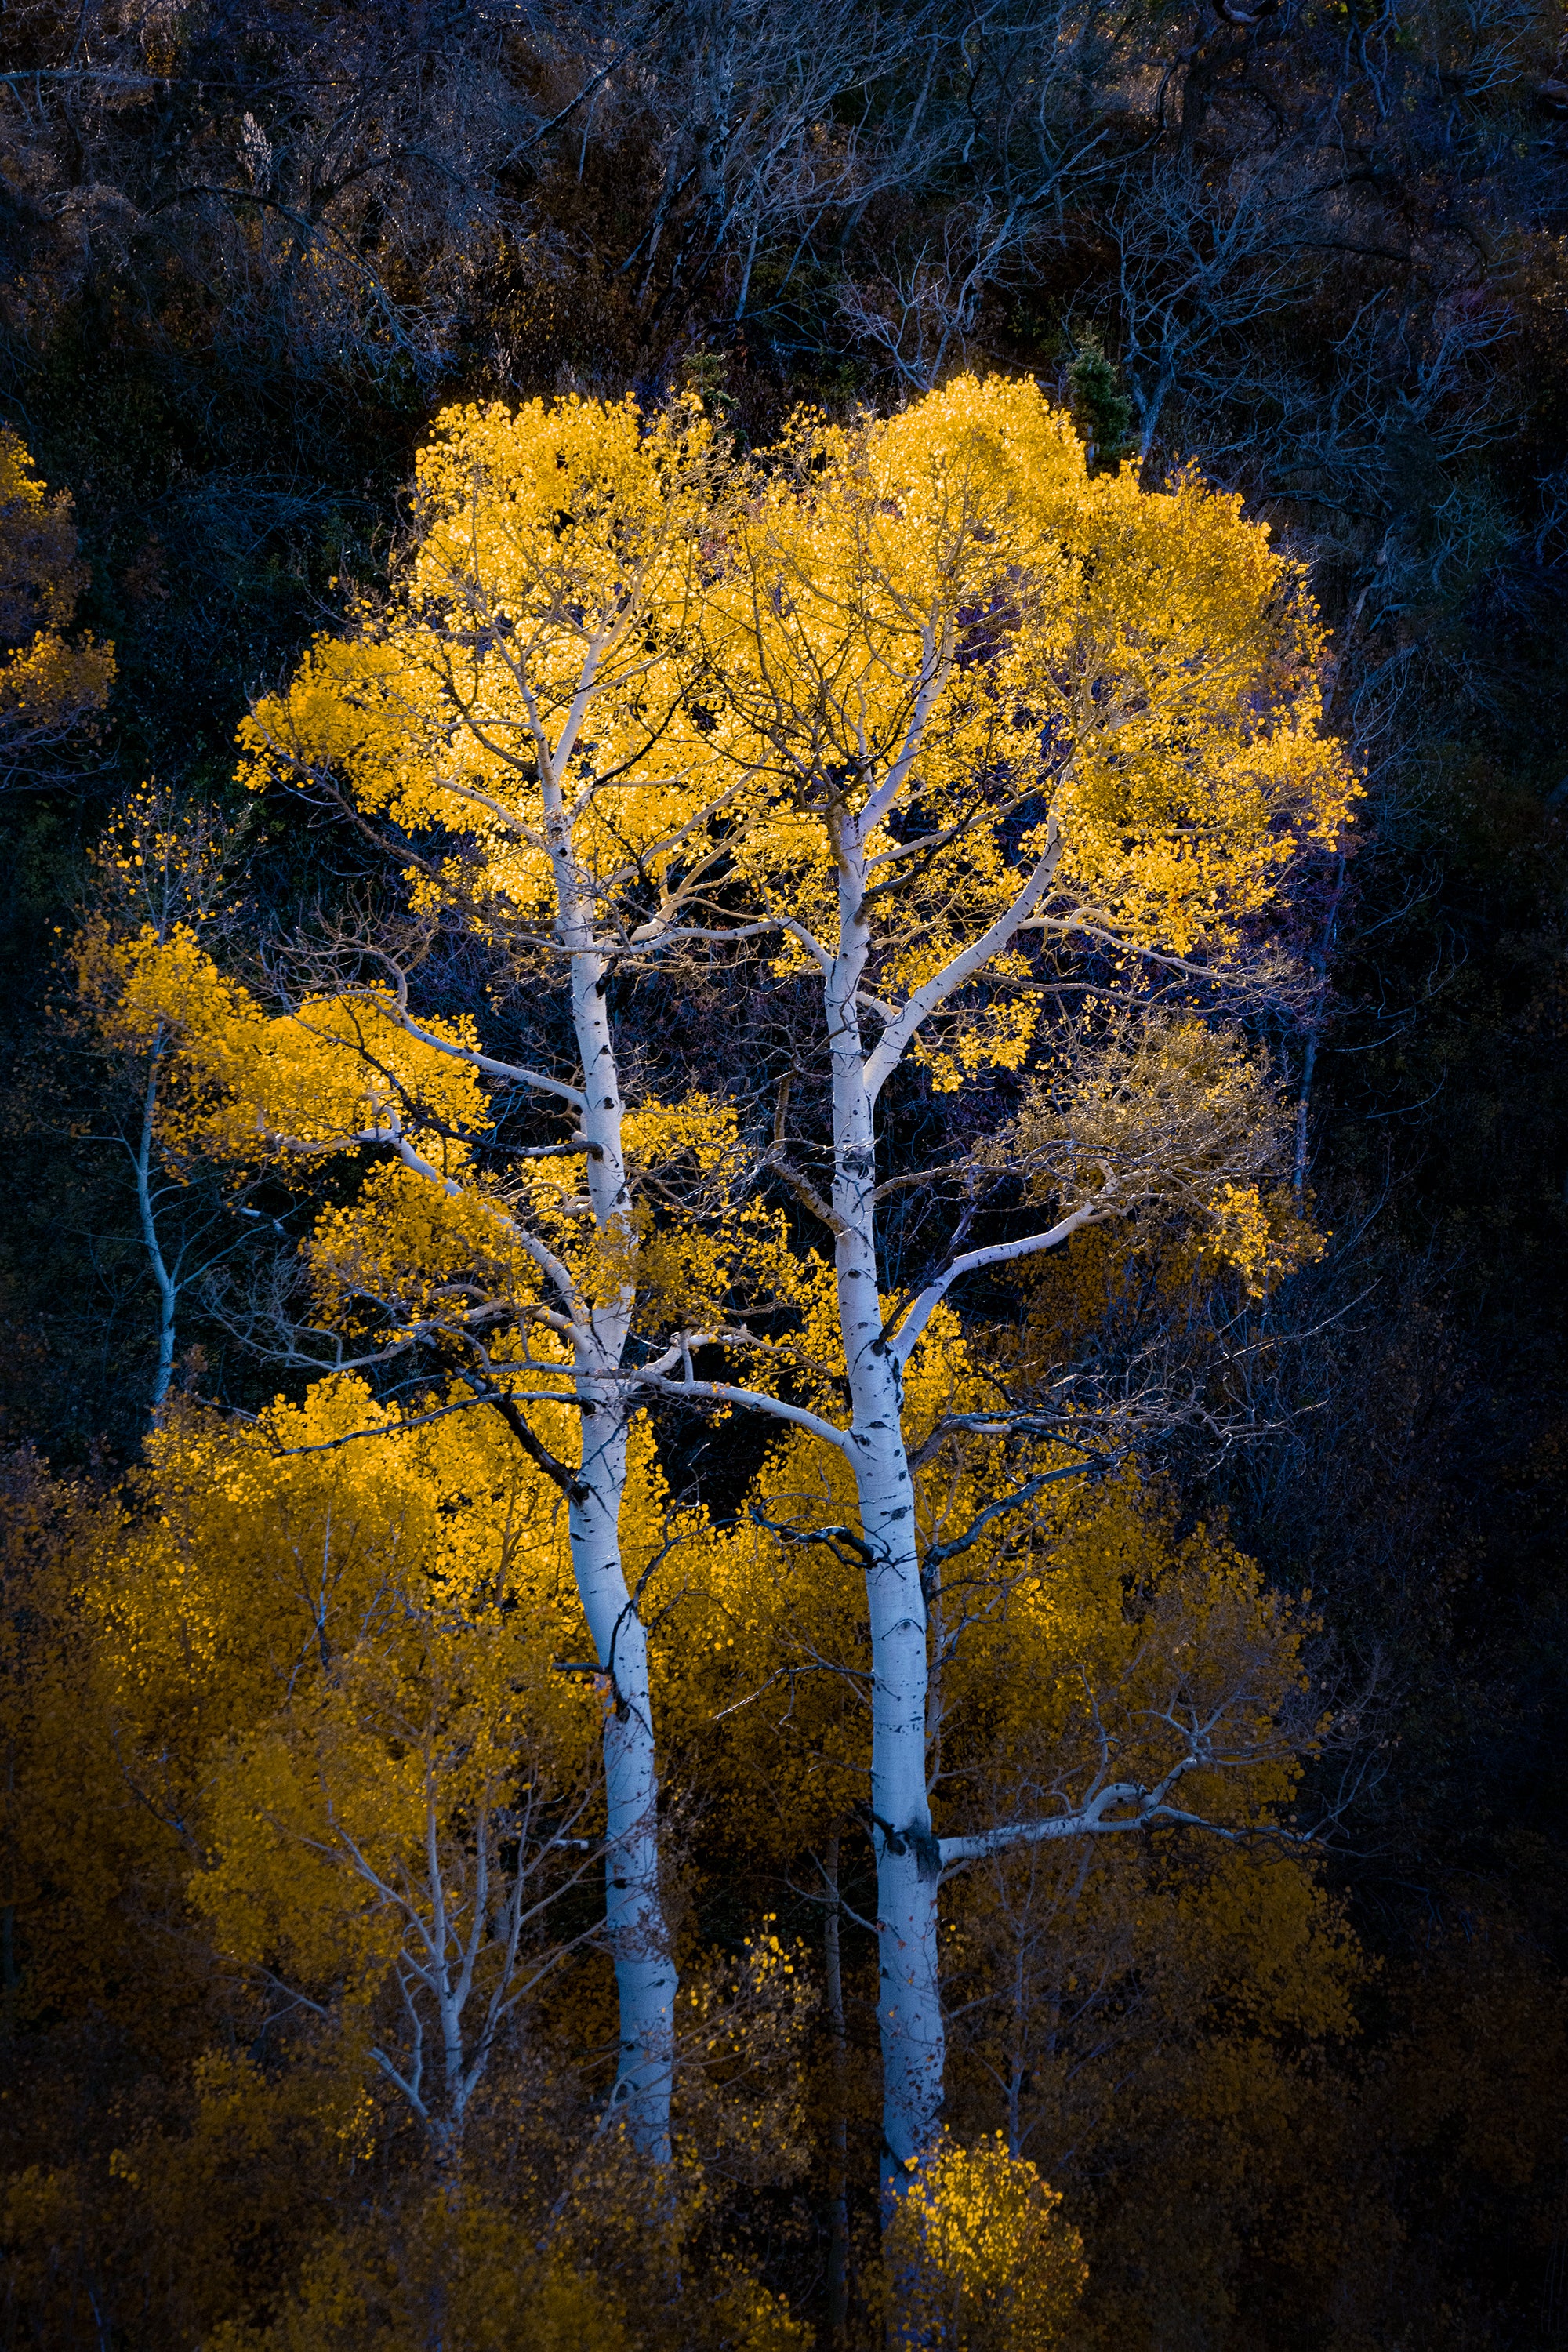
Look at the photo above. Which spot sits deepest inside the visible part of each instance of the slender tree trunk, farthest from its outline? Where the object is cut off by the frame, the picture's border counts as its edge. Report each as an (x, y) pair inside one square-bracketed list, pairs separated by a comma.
[(448, 2250), (639, 1940), (839, 2129), (1152, 411), (744, 295), (909, 2009), (167, 1294)]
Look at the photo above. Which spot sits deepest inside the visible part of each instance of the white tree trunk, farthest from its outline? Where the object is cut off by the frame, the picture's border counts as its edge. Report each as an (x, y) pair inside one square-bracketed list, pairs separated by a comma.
[(639, 1940), (909, 2006), (634, 1911)]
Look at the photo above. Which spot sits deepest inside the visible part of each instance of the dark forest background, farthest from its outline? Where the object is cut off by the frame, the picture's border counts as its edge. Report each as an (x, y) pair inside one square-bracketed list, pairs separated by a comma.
[(1320, 248)]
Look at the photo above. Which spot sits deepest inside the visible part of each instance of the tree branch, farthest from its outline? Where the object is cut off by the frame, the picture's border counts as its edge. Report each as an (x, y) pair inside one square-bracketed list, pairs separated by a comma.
[(905, 1333)]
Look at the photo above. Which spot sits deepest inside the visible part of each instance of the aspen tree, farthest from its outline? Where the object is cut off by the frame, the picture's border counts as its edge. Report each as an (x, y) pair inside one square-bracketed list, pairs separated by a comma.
[(523, 696), (344, 1690), (1007, 712)]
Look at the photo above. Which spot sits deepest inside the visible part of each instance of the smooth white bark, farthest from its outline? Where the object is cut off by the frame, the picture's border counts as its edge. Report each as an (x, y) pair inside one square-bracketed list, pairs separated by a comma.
[(909, 2002), (634, 1912), (634, 1920), (596, 1330), (908, 1854)]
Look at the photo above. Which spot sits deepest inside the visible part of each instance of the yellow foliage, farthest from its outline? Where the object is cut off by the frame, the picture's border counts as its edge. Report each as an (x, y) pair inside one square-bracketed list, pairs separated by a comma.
[(337, 1667), (978, 2256), (1079, 1616), (1261, 1235), (456, 2265), (644, 687), (611, 647), (949, 584), (49, 682), (545, 625), (1169, 1993), (1153, 1111), (408, 1250), (334, 1074)]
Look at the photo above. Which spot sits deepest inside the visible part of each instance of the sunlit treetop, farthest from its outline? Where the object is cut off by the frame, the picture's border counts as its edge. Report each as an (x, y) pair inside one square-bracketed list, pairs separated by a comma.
[(941, 632), (918, 687), (535, 679), (936, 625)]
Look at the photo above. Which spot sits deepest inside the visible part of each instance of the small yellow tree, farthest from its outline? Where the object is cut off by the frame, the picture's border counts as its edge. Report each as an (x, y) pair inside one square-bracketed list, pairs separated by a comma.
[(161, 869), (341, 1687), (49, 682), (979, 2257)]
